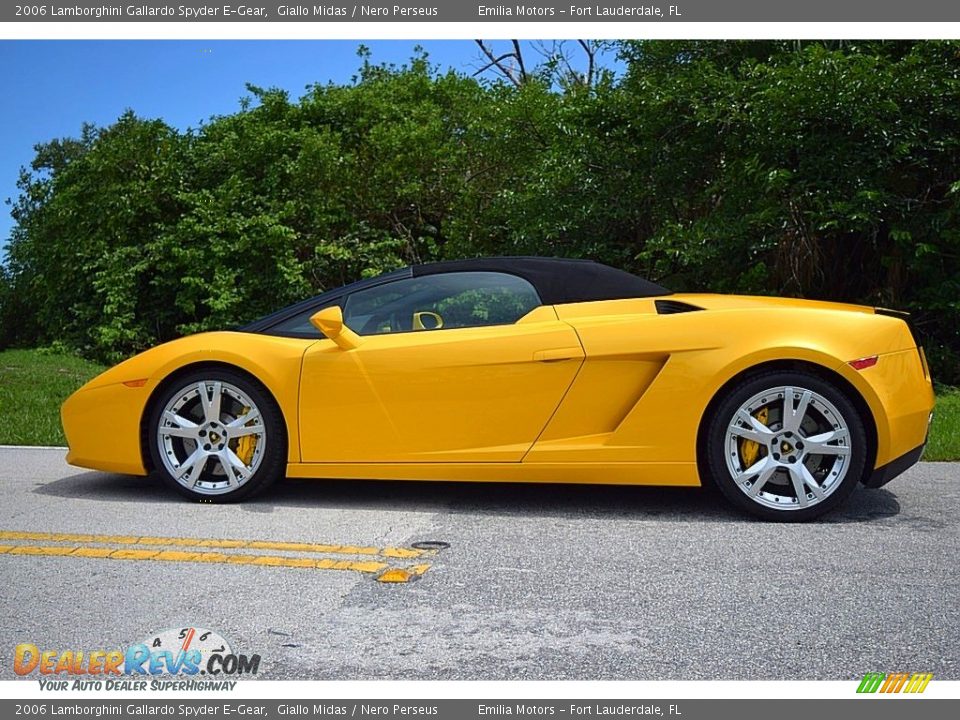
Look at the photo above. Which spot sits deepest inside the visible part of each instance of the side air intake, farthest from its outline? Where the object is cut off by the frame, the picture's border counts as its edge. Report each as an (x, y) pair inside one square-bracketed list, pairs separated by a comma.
[(672, 307)]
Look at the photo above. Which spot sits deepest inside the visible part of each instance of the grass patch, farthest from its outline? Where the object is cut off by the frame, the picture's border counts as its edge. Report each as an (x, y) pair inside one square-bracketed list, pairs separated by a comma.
[(944, 442), (33, 384)]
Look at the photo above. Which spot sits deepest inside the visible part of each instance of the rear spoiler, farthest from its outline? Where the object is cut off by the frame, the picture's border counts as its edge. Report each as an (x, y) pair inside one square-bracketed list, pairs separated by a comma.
[(917, 338), (901, 315)]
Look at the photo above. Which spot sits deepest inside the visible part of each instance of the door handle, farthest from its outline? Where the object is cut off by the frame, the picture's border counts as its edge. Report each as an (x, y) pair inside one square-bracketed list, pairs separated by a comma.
[(557, 354)]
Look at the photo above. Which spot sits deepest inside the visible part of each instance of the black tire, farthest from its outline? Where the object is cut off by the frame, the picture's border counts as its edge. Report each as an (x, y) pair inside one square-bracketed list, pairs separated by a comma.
[(270, 443), (718, 446)]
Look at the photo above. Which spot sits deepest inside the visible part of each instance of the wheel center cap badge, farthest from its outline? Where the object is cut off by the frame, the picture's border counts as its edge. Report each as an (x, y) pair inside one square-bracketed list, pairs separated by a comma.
[(785, 447)]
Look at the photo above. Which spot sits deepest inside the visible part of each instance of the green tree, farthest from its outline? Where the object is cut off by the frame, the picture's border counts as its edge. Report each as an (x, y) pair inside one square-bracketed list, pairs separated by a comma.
[(805, 168)]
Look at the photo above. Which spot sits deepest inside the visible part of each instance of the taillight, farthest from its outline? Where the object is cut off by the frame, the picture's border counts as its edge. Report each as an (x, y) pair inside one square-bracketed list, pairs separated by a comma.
[(864, 363)]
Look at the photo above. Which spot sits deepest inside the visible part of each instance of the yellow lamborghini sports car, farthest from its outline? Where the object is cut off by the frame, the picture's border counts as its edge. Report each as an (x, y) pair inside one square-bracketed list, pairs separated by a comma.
[(529, 370)]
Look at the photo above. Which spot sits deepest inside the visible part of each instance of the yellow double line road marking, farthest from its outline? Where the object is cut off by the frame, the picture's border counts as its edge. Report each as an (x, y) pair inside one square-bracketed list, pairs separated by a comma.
[(390, 552), (152, 548)]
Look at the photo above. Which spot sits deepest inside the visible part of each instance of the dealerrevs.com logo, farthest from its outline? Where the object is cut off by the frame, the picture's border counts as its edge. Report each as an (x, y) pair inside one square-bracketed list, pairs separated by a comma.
[(910, 683), (200, 659)]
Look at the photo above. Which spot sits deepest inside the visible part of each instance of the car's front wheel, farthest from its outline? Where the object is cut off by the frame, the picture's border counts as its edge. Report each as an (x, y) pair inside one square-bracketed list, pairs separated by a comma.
[(786, 446), (217, 436)]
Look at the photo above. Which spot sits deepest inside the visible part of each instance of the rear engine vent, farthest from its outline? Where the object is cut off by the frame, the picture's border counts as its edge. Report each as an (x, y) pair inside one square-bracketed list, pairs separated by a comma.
[(672, 307)]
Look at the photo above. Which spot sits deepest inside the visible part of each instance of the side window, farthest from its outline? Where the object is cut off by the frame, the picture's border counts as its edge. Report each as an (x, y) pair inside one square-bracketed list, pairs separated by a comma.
[(440, 302), (299, 325)]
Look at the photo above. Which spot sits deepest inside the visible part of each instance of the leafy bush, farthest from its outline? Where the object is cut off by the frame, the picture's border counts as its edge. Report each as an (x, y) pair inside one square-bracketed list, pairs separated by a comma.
[(827, 170)]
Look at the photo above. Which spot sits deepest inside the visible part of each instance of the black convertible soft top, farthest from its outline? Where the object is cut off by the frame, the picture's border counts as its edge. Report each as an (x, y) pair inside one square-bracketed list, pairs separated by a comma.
[(556, 280)]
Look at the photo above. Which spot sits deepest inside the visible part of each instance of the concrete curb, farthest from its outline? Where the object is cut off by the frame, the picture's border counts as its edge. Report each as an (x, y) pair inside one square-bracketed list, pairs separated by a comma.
[(33, 447)]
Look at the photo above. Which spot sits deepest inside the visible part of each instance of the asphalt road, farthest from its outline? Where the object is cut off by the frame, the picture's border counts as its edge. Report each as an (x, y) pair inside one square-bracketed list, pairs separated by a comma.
[(539, 582)]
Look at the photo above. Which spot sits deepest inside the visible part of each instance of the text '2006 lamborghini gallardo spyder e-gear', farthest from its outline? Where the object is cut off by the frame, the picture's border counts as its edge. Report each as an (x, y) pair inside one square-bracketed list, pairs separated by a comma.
[(523, 369)]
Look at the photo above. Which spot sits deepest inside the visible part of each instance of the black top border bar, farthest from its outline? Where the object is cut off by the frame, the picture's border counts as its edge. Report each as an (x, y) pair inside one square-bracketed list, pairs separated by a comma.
[(472, 11)]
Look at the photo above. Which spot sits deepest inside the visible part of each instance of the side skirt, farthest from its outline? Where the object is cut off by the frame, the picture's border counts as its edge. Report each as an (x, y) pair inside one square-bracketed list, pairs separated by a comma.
[(672, 474)]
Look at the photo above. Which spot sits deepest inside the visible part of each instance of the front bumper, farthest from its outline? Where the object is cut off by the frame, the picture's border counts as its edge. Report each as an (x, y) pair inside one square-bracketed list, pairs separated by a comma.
[(102, 426)]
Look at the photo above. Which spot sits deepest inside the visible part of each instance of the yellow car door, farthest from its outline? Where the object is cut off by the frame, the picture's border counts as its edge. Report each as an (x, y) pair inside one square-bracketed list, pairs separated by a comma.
[(461, 367)]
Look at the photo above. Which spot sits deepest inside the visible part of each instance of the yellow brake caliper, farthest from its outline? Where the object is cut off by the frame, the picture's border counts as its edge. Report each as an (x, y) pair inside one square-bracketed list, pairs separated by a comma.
[(750, 449), (246, 444)]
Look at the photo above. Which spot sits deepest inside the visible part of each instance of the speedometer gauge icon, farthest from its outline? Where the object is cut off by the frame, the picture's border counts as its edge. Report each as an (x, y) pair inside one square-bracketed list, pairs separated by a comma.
[(186, 639)]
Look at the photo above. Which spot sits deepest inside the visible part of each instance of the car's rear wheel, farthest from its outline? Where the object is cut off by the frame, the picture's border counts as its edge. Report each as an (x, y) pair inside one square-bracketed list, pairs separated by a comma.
[(217, 436), (786, 446)]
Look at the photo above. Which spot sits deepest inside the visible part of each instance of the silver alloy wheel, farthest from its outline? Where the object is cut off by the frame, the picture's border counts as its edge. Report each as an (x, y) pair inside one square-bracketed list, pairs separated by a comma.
[(211, 437), (795, 457)]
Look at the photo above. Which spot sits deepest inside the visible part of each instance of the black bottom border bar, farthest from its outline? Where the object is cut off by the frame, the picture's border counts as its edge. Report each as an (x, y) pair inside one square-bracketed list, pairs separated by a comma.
[(872, 707)]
